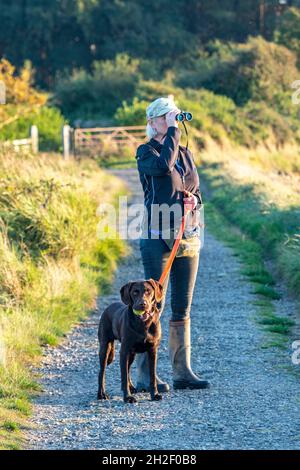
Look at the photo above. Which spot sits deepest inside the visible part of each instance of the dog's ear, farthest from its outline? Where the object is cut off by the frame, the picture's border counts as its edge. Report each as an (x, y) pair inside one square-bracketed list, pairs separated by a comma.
[(158, 288), (125, 293)]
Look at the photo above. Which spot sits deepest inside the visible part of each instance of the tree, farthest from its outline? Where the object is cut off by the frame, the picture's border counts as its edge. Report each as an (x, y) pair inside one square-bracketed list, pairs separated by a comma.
[(288, 32), (47, 33), (61, 35)]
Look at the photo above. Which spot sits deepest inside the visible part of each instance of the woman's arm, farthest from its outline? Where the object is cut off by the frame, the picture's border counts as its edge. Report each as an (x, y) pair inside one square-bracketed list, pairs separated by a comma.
[(150, 163)]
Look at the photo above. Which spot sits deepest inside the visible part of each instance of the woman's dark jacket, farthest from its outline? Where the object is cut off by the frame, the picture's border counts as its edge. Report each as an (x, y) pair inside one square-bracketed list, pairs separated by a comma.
[(165, 170)]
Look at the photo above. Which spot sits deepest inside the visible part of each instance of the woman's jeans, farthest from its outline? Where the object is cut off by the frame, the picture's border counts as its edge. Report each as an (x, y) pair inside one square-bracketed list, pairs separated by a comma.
[(183, 273)]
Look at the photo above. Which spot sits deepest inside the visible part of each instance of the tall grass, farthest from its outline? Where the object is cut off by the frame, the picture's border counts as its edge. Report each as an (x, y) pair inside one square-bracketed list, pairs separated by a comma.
[(262, 200), (52, 265)]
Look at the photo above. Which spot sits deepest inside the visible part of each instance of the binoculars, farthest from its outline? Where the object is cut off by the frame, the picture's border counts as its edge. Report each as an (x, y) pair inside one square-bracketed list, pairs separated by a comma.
[(184, 116)]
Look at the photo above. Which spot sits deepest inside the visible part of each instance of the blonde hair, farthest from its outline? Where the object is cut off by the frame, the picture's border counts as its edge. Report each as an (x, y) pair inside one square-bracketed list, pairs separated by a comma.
[(150, 132)]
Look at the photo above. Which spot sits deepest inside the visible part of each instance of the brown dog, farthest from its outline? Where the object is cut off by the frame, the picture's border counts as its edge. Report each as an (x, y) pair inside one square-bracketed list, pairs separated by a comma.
[(136, 325)]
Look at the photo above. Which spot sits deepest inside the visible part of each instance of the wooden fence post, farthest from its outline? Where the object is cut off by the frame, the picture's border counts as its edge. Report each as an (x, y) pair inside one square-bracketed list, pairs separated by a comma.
[(66, 137), (34, 133)]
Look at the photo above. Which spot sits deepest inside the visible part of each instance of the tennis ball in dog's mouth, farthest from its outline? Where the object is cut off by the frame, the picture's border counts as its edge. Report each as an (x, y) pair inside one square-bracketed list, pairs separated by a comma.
[(139, 312)]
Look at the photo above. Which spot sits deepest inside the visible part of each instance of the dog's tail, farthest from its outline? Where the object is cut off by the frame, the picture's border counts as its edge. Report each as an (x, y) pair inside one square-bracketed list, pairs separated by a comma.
[(111, 354)]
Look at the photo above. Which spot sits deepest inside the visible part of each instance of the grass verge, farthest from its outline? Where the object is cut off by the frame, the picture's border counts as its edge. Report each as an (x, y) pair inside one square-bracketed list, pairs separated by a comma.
[(249, 253), (53, 265), (263, 206)]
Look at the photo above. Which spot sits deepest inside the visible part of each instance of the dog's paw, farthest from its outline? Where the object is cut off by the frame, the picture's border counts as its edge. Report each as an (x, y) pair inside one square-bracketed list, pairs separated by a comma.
[(130, 399), (102, 396), (156, 397), (132, 389)]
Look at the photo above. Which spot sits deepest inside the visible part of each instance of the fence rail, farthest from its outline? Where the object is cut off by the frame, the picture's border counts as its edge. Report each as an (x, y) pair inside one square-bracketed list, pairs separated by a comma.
[(32, 143), (95, 139)]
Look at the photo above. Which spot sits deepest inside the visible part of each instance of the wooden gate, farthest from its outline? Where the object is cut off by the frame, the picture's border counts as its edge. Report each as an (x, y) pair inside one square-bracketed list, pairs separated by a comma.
[(25, 145), (99, 140)]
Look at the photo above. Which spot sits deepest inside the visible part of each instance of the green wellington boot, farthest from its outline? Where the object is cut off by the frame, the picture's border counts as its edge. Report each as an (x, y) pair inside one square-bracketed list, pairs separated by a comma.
[(143, 377), (180, 356)]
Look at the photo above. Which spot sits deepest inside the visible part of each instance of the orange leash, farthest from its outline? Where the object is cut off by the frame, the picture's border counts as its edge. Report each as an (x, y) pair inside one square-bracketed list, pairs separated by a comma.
[(174, 249)]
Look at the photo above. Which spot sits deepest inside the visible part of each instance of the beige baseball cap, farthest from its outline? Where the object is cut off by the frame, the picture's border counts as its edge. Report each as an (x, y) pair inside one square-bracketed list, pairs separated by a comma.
[(160, 106)]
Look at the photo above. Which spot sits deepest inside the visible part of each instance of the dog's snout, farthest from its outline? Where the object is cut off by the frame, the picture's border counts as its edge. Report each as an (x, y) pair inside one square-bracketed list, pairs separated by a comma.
[(142, 304)]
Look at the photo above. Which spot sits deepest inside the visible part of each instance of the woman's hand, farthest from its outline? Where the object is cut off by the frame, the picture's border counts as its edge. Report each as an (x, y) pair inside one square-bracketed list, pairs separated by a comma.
[(190, 201), (170, 118)]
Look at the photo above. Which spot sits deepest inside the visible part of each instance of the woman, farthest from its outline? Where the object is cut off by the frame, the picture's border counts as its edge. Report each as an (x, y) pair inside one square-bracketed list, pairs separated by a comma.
[(169, 176)]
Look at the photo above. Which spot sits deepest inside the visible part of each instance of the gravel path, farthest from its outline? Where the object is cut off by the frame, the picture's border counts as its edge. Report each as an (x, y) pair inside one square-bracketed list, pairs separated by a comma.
[(255, 396)]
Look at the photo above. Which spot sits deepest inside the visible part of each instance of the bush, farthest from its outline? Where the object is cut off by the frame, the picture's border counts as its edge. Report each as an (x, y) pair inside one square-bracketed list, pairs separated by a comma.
[(26, 106), (201, 65), (239, 92), (266, 123), (18, 87), (218, 116), (149, 90), (150, 69), (49, 121), (252, 71), (131, 114), (99, 94)]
